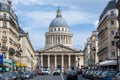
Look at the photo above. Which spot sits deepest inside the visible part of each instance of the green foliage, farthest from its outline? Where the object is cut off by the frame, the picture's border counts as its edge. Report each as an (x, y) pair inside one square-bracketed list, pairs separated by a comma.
[(11, 51)]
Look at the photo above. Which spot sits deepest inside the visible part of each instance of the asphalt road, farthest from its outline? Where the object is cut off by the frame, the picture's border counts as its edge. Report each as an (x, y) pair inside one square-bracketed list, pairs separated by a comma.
[(50, 77)]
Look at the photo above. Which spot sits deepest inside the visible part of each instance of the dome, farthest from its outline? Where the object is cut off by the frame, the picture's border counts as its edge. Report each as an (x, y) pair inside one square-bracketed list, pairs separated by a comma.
[(58, 21)]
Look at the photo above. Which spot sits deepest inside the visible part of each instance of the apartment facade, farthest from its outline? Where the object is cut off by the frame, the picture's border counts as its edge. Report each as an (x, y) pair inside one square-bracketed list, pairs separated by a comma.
[(90, 51), (118, 7), (10, 41), (108, 25)]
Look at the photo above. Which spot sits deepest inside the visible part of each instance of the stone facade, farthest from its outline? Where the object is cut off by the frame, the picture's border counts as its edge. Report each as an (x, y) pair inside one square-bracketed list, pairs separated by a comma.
[(58, 52)]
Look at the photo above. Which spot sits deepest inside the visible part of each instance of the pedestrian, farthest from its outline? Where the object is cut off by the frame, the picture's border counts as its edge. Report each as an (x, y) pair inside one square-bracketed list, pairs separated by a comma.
[(72, 74)]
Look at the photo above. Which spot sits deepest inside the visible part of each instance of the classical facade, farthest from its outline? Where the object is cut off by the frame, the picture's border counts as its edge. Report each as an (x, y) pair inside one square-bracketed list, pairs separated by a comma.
[(58, 51), (107, 28)]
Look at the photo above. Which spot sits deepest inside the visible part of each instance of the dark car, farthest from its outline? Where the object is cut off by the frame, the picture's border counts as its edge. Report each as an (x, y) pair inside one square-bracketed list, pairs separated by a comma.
[(27, 75), (1, 76), (56, 72), (117, 76), (72, 74), (15, 75), (108, 75), (7, 76)]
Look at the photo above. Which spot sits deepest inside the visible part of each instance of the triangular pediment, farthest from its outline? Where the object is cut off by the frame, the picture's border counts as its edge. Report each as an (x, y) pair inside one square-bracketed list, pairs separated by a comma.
[(59, 48)]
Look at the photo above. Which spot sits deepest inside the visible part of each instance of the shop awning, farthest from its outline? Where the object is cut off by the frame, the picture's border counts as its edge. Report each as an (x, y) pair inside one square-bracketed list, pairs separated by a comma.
[(20, 64), (108, 63)]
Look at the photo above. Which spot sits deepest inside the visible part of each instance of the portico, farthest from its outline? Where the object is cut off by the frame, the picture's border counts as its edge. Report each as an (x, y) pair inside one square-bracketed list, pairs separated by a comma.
[(58, 52)]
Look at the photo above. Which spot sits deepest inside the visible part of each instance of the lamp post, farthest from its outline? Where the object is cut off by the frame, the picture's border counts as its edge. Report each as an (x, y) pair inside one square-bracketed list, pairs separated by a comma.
[(117, 42), (78, 62)]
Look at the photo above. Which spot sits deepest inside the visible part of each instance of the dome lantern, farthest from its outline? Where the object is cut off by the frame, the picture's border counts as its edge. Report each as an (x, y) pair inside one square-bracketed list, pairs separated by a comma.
[(59, 13)]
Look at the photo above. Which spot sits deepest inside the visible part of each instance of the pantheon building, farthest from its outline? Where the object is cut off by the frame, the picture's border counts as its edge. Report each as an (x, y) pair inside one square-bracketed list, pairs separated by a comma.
[(58, 51)]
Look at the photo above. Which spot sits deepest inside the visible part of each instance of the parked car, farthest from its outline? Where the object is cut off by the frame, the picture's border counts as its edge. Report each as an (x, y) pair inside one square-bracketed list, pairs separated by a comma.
[(15, 75), (7, 76), (108, 75), (117, 76), (56, 72), (27, 75), (39, 72), (72, 74), (1, 76), (45, 71)]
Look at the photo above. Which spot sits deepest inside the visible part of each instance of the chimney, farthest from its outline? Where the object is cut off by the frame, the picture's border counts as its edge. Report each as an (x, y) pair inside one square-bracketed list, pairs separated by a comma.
[(10, 3)]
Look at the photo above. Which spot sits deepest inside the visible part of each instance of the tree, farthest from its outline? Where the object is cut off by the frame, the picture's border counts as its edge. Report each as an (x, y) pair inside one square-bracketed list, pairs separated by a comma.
[(11, 51)]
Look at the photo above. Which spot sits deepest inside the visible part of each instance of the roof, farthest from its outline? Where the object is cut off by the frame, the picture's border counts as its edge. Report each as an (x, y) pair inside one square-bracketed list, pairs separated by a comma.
[(58, 21), (111, 5)]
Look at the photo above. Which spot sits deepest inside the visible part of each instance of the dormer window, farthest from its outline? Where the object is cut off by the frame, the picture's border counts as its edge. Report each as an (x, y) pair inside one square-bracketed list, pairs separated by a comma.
[(112, 13)]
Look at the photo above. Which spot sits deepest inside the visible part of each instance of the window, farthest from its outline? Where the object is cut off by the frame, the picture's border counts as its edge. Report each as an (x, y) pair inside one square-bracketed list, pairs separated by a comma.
[(55, 29), (4, 24), (62, 29), (58, 29), (4, 34), (112, 13), (51, 29), (113, 43), (112, 22), (112, 32), (4, 54), (113, 54), (4, 15)]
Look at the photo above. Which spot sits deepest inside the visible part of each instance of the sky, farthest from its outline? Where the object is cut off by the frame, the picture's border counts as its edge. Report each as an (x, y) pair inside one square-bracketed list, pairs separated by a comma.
[(81, 15)]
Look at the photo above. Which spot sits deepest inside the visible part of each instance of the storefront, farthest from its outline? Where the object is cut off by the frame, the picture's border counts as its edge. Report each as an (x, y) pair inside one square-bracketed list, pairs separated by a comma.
[(108, 65), (20, 66), (7, 65)]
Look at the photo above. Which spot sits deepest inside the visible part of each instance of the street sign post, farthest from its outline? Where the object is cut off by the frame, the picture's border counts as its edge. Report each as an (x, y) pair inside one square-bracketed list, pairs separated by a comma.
[(1, 59)]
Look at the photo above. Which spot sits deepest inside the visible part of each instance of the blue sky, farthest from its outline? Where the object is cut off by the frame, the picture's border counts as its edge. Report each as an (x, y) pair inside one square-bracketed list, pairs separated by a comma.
[(81, 15)]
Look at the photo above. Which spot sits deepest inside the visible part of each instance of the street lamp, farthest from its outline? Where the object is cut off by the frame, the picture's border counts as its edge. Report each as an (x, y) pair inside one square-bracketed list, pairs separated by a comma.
[(78, 62), (117, 42)]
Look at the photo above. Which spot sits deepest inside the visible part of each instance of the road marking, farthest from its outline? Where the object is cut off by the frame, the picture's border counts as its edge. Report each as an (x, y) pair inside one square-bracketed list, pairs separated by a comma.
[(62, 77)]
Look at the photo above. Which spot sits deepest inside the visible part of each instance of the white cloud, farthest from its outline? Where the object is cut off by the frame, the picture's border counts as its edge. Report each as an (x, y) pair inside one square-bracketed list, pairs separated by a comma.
[(96, 23), (78, 12), (42, 19)]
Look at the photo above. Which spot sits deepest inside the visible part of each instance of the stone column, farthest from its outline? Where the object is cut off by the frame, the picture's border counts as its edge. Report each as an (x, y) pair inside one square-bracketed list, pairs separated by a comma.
[(55, 61), (76, 60), (62, 63), (69, 61), (41, 60), (52, 39), (48, 61)]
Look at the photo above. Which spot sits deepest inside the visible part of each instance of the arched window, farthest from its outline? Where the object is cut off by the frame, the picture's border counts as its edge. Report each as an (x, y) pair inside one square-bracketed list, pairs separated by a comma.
[(58, 29)]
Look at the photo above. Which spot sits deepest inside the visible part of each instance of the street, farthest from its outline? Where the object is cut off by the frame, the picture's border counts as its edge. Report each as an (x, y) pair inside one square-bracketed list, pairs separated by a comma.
[(50, 77)]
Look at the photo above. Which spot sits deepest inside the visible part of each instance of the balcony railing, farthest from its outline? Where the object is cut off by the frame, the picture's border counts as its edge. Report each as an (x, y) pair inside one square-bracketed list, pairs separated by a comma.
[(5, 18), (102, 50), (4, 38), (4, 48)]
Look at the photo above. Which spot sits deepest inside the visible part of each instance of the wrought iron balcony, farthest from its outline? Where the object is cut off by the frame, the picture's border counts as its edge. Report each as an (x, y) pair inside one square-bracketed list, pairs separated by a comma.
[(4, 38), (118, 3), (5, 18), (118, 44), (4, 48)]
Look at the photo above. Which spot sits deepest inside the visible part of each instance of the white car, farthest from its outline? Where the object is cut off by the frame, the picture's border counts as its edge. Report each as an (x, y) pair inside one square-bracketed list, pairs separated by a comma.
[(46, 71)]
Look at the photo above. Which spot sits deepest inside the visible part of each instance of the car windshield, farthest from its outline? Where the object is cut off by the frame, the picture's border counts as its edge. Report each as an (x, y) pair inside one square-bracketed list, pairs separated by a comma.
[(14, 73), (6, 74), (118, 75), (26, 73)]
